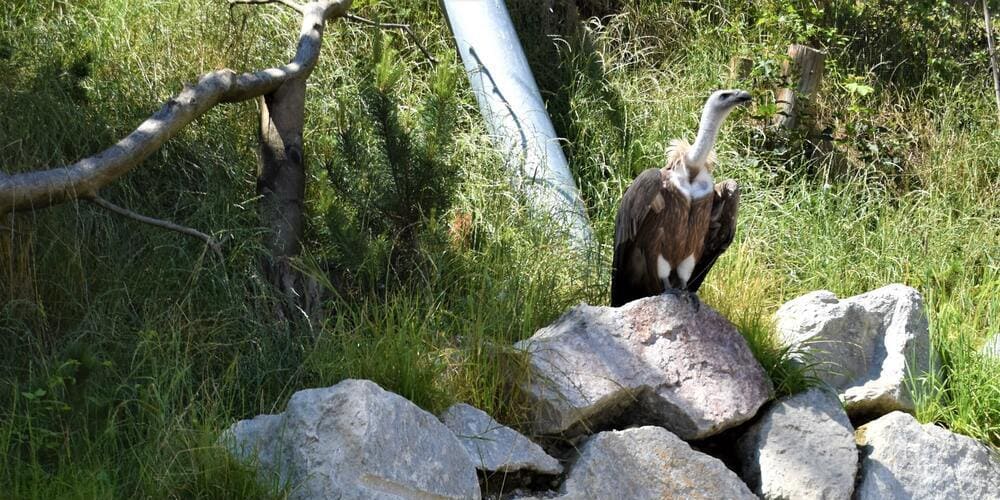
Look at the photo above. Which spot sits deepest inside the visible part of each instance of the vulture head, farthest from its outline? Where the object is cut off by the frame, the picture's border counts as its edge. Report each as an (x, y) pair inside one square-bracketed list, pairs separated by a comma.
[(723, 101), (716, 109)]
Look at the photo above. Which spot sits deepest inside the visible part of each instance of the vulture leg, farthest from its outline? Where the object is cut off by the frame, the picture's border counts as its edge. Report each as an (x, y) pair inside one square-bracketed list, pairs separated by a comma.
[(721, 230)]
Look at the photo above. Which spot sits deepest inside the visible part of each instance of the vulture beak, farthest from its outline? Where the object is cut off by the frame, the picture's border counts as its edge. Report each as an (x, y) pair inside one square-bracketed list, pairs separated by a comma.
[(743, 97)]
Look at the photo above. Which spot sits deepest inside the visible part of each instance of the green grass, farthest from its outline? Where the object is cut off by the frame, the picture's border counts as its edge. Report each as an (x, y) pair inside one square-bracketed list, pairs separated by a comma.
[(128, 349)]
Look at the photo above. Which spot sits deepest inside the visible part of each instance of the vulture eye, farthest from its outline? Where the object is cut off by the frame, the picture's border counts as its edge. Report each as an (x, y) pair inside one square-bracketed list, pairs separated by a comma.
[(726, 95)]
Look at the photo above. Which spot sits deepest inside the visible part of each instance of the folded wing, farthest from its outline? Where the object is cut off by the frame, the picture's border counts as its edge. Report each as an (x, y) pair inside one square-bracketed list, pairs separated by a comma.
[(721, 230)]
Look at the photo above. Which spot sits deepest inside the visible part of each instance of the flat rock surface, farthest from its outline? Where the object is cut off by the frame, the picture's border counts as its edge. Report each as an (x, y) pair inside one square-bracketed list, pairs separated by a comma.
[(355, 440), (863, 345), (689, 371), (802, 447), (496, 448), (648, 463), (902, 459)]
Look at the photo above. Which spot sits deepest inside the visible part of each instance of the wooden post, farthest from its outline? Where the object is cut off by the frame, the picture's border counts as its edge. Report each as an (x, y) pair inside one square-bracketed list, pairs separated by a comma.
[(740, 68), (806, 64)]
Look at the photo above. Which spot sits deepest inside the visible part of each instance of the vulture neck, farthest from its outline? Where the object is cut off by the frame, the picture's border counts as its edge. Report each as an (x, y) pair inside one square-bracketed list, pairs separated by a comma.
[(708, 129)]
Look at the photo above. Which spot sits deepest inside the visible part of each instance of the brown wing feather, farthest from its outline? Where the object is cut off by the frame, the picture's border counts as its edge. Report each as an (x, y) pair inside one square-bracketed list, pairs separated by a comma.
[(721, 230), (633, 213)]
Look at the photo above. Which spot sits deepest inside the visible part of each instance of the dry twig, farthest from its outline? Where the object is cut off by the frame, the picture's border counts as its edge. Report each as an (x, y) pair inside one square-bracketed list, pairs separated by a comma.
[(287, 3), (107, 205), (404, 27)]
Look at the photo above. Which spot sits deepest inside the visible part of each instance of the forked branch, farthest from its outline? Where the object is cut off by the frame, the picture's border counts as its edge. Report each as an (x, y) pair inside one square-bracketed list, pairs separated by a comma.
[(83, 179)]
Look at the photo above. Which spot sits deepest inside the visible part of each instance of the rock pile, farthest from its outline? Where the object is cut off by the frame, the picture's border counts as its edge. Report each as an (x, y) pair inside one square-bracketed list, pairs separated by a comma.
[(626, 388), (355, 440), (657, 359), (864, 346)]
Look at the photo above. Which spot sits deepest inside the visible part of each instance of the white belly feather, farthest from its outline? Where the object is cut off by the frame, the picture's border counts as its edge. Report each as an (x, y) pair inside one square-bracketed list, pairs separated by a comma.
[(701, 186)]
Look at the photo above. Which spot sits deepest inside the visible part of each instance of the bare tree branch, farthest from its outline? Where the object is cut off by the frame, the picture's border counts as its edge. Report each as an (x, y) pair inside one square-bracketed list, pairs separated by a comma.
[(404, 27), (83, 179), (288, 3), (107, 205)]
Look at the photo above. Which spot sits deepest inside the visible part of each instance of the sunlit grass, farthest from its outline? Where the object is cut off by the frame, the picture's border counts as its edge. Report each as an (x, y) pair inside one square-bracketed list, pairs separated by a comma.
[(127, 349)]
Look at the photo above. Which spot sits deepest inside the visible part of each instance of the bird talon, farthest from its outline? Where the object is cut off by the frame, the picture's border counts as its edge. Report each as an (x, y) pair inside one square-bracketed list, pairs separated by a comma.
[(694, 300)]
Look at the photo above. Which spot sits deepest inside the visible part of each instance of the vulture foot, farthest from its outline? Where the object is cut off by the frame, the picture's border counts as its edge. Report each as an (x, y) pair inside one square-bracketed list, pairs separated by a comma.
[(693, 299)]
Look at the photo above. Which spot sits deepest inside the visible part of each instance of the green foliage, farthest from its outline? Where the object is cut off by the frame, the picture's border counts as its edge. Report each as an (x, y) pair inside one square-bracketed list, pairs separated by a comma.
[(393, 172)]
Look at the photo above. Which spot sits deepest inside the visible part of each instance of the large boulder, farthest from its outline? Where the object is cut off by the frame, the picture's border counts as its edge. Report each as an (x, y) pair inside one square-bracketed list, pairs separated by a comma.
[(684, 369), (355, 441), (866, 346), (494, 447), (648, 463), (801, 447), (902, 459)]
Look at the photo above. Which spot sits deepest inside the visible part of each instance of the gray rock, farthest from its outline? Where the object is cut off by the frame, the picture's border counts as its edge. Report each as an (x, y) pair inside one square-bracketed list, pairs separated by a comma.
[(866, 346), (906, 460), (691, 372), (356, 441), (648, 462), (494, 447), (801, 447), (255, 441), (991, 349)]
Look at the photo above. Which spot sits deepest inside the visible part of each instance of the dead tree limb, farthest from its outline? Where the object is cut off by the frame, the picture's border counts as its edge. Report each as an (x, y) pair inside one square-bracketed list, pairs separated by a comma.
[(404, 27), (83, 179), (111, 207)]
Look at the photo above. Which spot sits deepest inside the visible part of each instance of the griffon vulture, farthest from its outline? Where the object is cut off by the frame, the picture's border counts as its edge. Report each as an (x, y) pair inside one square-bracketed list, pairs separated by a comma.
[(674, 221)]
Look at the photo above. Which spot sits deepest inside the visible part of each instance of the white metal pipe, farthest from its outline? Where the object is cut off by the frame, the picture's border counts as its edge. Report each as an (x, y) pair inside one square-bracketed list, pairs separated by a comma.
[(515, 114)]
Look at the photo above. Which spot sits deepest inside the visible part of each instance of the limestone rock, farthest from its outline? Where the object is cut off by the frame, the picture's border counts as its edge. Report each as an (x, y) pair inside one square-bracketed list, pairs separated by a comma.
[(689, 371), (801, 447), (494, 447), (903, 459), (991, 349), (355, 440), (256, 441), (862, 345), (648, 463)]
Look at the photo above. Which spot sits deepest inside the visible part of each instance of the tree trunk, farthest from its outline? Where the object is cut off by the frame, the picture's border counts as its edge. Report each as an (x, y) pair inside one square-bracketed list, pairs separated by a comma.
[(991, 45), (807, 65), (281, 184)]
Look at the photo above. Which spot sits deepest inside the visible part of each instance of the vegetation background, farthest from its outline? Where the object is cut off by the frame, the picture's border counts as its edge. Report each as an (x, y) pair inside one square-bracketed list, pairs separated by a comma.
[(127, 349)]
